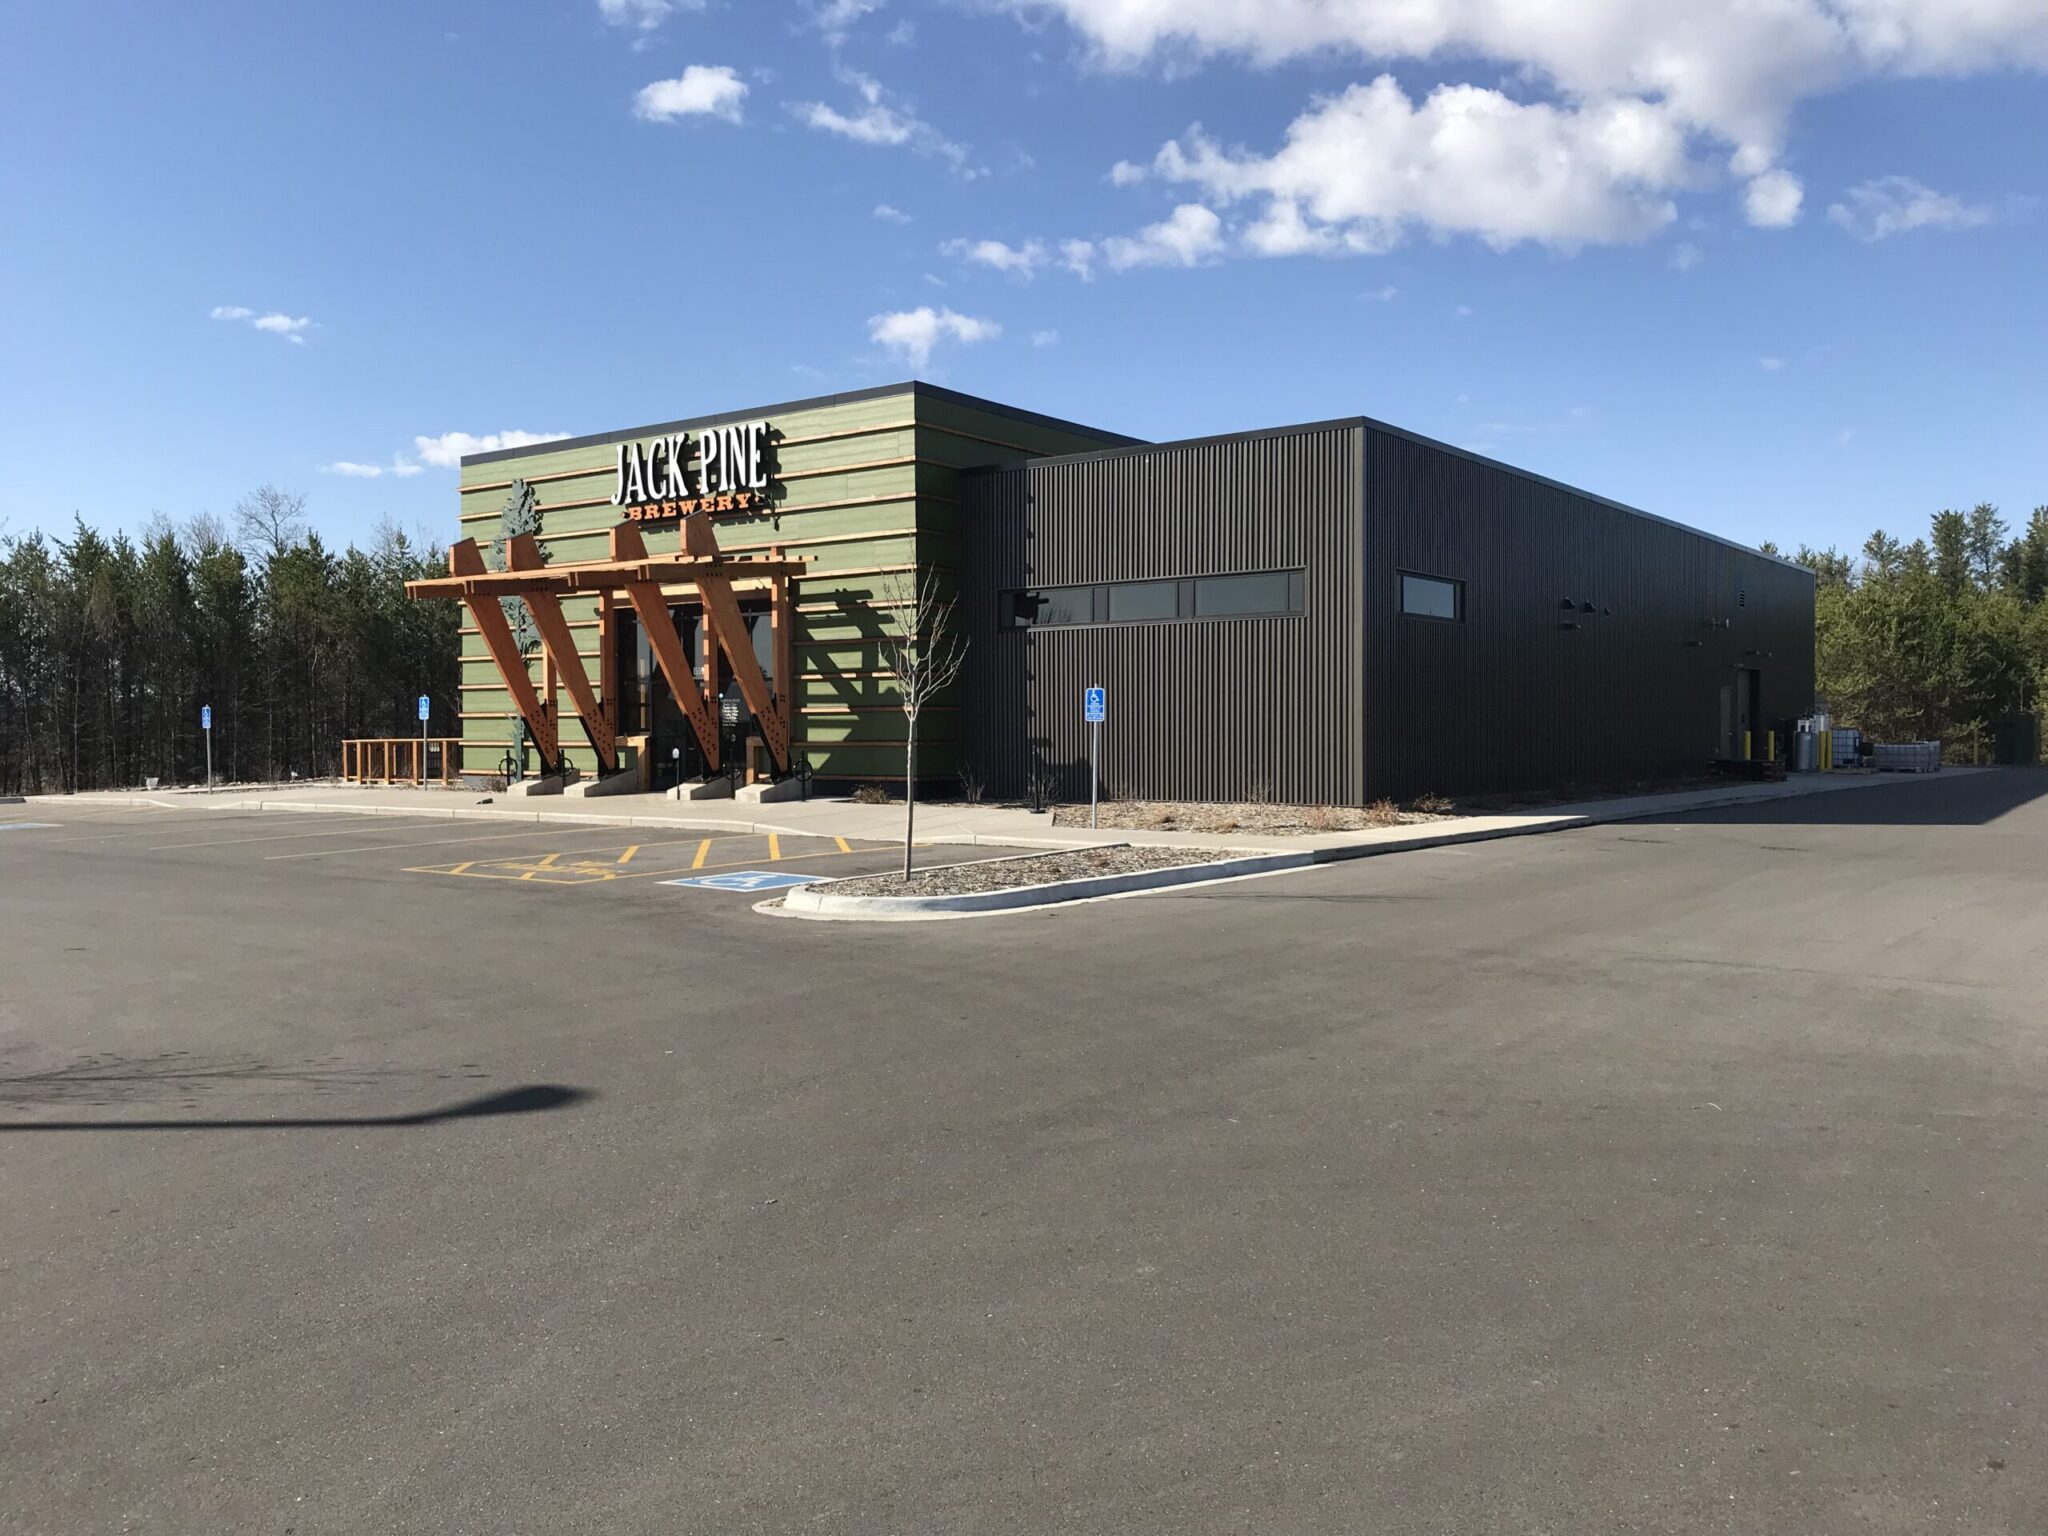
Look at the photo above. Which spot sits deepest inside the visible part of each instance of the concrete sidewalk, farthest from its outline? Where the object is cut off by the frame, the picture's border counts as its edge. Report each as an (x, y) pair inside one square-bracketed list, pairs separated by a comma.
[(975, 825)]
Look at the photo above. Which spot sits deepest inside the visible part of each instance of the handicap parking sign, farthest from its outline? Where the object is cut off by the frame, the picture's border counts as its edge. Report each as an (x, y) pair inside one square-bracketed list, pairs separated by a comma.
[(745, 880), (1095, 705)]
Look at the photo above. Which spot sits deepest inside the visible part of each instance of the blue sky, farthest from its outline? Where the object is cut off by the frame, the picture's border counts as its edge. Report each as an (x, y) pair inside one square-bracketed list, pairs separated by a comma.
[(1777, 275)]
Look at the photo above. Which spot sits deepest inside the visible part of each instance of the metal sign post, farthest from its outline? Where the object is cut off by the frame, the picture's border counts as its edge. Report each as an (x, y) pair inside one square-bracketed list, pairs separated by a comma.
[(206, 725), (423, 739), (1095, 709)]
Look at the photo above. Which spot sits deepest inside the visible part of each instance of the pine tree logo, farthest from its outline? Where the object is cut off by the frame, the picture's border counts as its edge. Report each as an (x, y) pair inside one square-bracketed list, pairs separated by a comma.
[(521, 514)]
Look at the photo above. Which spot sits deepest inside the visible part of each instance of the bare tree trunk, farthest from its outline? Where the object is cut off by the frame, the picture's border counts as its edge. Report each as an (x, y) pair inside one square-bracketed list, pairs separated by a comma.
[(909, 789)]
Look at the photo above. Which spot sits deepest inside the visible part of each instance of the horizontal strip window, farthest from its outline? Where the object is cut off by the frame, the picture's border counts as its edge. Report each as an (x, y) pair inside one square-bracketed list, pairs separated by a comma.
[(1254, 595), (1432, 597)]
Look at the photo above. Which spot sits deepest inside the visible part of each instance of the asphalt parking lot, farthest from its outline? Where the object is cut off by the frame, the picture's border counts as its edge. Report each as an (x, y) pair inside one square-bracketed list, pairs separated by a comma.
[(1673, 1176)]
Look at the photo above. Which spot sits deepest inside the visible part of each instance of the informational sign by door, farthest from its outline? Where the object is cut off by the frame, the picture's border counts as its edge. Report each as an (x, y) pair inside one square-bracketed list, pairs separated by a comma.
[(206, 725)]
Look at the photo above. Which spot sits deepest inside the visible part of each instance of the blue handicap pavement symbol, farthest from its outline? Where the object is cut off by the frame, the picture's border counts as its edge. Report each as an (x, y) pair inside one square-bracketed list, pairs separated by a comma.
[(745, 880), (26, 826)]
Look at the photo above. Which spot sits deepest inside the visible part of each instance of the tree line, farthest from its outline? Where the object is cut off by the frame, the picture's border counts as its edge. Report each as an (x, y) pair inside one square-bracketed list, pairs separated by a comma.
[(1937, 640), (109, 647)]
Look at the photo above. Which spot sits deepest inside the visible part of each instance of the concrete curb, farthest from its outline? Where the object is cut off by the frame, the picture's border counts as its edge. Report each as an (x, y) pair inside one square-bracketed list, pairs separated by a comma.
[(817, 901)]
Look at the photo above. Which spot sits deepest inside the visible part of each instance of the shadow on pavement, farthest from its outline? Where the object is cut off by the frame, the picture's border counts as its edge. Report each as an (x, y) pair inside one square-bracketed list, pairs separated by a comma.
[(532, 1099), (1971, 800)]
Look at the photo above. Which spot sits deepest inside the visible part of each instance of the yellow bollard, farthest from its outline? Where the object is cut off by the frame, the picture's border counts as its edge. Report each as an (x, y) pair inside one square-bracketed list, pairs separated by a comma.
[(1827, 752), (1748, 746), (1770, 746)]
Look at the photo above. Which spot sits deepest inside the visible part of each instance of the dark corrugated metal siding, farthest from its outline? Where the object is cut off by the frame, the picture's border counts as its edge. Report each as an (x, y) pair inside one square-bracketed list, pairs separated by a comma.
[(1510, 700), (1199, 710)]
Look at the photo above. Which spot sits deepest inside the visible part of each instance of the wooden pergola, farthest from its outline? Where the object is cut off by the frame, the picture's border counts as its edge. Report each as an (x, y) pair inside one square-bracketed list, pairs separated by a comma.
[(638, 578)]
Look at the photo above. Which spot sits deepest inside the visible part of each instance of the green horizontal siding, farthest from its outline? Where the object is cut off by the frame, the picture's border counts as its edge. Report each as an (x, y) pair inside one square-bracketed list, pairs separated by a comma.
[(843, 519)]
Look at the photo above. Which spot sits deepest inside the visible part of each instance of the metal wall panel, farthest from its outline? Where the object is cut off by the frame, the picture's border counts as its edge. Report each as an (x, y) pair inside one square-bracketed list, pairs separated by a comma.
[(1199, 709), (1512, 699)]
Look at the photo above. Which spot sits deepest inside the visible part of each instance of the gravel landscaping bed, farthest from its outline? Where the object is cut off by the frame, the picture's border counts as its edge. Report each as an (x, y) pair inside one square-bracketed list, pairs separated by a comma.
[(1033, 869), (1258, 817)]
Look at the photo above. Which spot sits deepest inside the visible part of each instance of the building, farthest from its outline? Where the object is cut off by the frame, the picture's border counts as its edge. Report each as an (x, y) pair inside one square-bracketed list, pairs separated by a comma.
[(1331, 613)]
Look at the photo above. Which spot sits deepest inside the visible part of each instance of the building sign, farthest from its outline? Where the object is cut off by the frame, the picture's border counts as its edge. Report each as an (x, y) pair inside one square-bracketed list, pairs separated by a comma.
[(721, 469)]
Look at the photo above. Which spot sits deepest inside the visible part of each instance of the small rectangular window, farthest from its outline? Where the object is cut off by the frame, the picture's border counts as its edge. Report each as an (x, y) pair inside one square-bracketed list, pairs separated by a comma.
[(1218, 597), (1142, 600), (1054, 605), (1432, 597)]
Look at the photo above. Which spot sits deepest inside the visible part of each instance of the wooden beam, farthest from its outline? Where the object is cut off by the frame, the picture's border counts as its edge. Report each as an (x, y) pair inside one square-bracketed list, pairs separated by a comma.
[(523, 554), (593, 575), (466, 560), (667, 645)]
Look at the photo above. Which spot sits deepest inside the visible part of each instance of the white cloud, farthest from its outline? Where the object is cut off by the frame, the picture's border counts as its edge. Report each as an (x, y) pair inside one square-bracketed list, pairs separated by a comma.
[(400, 468), (292, 328), (1361, 168), (1017, 260), (912, 333), (643, 15), (1771, 364), (702, 90), (1896, 205), (1385, 295), (835, 18), (1078, 257), (1190, 235), (1463, 311), (447, 450), (1685, 256), (1125, 174), (880, 121), (889, 215), (1045, 338), (1772, 200), (1726, 72)]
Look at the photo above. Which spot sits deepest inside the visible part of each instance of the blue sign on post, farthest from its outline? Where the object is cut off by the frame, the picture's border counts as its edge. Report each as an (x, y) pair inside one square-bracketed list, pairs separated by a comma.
[(423, 706), (1096, 704), (206, 717)]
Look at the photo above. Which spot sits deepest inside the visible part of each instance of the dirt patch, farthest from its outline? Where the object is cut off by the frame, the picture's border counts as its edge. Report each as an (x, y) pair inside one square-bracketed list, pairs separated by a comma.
[(1034, 869), (1256, 817)]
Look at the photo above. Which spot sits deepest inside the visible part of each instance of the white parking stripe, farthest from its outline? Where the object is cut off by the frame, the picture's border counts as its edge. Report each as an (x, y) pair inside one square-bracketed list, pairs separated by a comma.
[(276, 837), (554, 832)]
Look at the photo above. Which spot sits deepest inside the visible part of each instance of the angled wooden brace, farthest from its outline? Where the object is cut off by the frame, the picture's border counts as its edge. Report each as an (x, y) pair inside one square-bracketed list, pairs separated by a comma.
[(666, 644), (722, 614), (465, 559), (523, 554)]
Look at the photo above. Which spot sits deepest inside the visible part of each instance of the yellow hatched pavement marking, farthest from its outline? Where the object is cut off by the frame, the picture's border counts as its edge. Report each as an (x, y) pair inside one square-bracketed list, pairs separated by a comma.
[(703, 848), (774, 848), (627, 856), (588, 872), (844, 845)]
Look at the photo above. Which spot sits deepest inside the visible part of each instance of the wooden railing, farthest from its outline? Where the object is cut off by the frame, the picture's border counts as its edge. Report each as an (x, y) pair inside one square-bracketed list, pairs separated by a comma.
[(399, 759)]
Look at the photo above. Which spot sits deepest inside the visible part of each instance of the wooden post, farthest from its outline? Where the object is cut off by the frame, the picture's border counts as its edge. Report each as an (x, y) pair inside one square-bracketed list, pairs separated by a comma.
[(558, 646), (667, 645), (465, 559), (782, 622)]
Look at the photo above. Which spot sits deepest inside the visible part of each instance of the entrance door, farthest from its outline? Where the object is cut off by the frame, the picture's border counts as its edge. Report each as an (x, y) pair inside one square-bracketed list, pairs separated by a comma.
[(1742, 715)]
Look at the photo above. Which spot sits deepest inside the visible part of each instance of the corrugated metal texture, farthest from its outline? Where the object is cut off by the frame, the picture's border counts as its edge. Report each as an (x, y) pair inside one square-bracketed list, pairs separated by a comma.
[(1199, 710), (1510, 699)]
